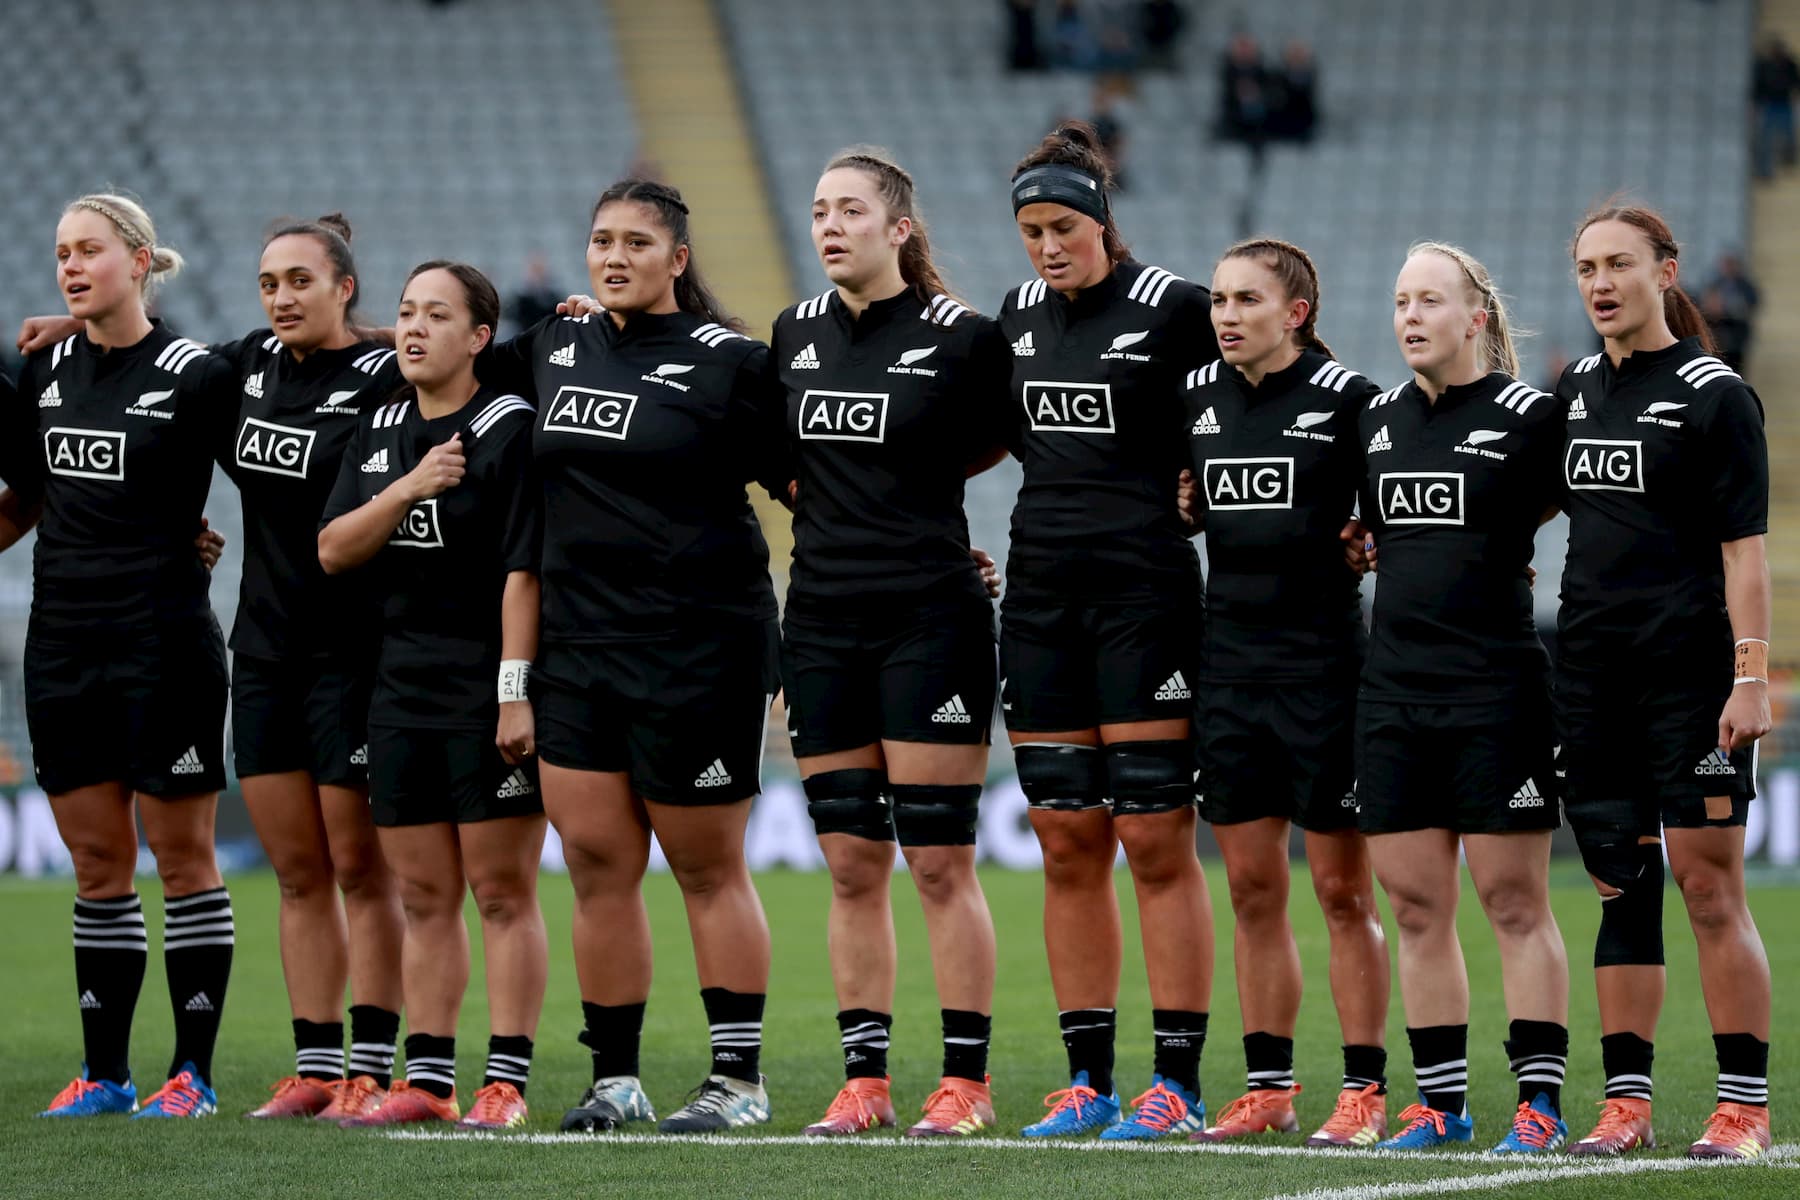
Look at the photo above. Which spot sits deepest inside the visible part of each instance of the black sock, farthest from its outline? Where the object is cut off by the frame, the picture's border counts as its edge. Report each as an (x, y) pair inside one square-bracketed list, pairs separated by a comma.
[(1087, 1035), (197, 941), (1743, 1069), (508, 1061), (735, 1019), (1180, 1037), (1627, 1059), (1364, 1065), (612, 1034), (111, 950), (1268, 1062), (1441, 1066), (373, 1032), (966, 1037), (863, 1033), (431, 1064), (1539, 1054), (318, 1050)]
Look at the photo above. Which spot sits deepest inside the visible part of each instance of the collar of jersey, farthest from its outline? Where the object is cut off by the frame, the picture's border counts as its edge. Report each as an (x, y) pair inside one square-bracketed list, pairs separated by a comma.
[(1101, 295), (1642, 362), (321, 362), (1458, 394), (878, 313), (1278, 383), (155, 337), (643, 326)]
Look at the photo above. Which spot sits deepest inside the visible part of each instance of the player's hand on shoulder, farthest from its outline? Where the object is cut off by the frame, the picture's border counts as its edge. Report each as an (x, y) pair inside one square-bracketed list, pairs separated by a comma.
[(37, 332)]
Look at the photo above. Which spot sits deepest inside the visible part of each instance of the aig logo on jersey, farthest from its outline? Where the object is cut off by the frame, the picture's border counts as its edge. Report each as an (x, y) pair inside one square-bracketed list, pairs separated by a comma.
[(85, 453), (1600, 465), (1246, 483), (590, 411), (274, 449), (843, 416), (419, 527), (1055, 407), (1421, 498)]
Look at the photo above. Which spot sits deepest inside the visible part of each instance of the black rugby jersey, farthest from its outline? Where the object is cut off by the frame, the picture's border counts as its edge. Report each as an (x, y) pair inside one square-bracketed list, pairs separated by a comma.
[(123, 443), (1278, 466), (645, 438), (1664, 459), (1099, 429), (442, 574), (294, 420), (1454, 492), (885, 413)]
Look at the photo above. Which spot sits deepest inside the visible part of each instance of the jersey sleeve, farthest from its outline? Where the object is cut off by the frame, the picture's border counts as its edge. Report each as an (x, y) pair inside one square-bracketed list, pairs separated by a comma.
[(1347, 426), (756, 412), (506, 366), (1735, 452), (238, 351), (345, 492), (21, 461), (522, 518), (213, 409), (1191, 324), (996, 420)]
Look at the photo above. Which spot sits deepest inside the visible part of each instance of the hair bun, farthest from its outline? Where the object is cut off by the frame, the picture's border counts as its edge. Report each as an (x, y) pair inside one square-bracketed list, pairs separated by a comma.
[(165, 261), (1080, 133), (338, 223)]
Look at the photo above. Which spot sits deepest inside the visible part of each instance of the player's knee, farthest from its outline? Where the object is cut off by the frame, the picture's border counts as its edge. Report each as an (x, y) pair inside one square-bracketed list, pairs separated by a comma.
[(1258, 895), (936, 815), (426, 899), (1419, 911), (940, 873), (1150, 777), (1631, 918), (503, 899), (1344, 899), (1057, 777), (1515, 907), (1711, 899), (1610, 854), (186, 866), (852, 801), (102, 866)]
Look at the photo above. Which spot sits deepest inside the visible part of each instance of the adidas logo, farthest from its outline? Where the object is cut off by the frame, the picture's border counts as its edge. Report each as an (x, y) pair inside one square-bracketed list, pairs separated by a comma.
[(377, 464), (716, 775), (1208, 422), (1715, 763), (199, 1002), (564, 357), (1174, 688), (189, 763), (1578, 410), (806, 360), (146, 406), (51, 397), (360, 756), (253, 386), (89, 1000), (517, 784), (1023, 347), (952, 713), (1527, 796), (1380, 441)]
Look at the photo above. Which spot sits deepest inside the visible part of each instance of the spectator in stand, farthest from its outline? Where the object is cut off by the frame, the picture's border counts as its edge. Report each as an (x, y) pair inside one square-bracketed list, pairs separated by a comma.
[(1160, 23), (536, 298), (1774, 76), (1295, 88), (1111, 129), (1022, 50), (1077, 44), (1244, 93), (1729, 302)]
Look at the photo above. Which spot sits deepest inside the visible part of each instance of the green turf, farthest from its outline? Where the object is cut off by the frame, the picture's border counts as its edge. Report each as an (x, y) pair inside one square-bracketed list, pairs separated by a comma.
[(230, 1156)]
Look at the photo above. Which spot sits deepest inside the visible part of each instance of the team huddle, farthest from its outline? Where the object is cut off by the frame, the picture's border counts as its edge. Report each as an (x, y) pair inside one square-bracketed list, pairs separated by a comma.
[(493, 584)]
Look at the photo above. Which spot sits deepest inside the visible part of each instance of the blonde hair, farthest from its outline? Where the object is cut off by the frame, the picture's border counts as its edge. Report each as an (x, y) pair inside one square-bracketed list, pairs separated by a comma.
[(1496, 341), (136, 230)]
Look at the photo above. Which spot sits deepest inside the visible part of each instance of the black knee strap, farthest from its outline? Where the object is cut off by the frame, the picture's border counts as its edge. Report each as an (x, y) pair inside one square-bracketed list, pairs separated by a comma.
[(852, 801), (1631, 923), (934, 815), (1150, 777), (1061, 777), (1607, 837)]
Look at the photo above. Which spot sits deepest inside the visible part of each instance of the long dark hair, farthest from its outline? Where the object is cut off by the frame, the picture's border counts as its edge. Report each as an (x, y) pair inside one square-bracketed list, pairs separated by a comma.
[(1299, 279), (332, 232), (1679, 310), (897, 192), (691, 293), (1077, 144)]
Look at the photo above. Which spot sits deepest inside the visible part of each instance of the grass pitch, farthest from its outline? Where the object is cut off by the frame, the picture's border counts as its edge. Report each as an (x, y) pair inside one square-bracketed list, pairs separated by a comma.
[(229, 1156)]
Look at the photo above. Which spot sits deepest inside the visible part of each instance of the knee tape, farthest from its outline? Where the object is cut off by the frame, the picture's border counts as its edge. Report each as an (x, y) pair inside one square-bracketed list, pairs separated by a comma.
[(852, 801), (1150, 777), (1631, 923), (1061, 777), (1610, 851), (928, 815)]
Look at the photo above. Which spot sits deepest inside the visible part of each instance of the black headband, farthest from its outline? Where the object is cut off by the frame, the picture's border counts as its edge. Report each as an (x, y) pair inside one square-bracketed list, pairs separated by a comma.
[(1055, 183)]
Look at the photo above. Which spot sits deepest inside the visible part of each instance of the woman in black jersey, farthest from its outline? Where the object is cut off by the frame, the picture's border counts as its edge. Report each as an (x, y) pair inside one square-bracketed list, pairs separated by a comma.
[(300, 678), (1099, 630), (435, 498), (1454, 746), (890, 387), (124, 666), (659, 657), (1667, 489), (1273, 435)]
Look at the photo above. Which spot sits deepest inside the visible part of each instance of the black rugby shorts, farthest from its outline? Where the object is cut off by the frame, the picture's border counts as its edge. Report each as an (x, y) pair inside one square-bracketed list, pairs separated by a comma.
[(145, 709), (684, 717), (1077, 664), (310, 714), (904, 672), (428, 776), (1466, 768), (1278, 750)]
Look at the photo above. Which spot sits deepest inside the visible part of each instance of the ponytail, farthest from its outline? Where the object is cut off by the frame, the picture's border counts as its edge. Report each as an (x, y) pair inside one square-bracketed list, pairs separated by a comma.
[(1680, 312), (895, 185), (691, 293), (1299, 279), (1497, 350), (1077, 144), (1685, 318)]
